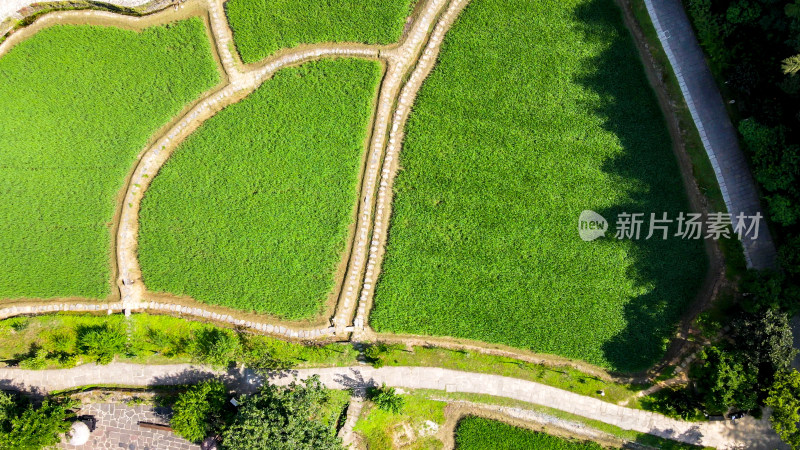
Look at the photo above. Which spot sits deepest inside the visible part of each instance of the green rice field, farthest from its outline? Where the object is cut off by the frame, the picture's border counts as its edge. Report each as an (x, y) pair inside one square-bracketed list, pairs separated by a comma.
[(78, 104), (252, 211), (261, 27), (476, 433), (536, 112)]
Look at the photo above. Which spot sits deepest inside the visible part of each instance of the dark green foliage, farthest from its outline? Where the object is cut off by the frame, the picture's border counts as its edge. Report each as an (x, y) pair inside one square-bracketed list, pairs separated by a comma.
[(476, 433), (375, 353), (681, 402), (27, 427), (78, 104), (753, 46), (784, 399), (386, 399), (201, 411), (725, 380), (260, 27), (536, 111), (279, 418), (102, 342), (766, 341), (252, 213)]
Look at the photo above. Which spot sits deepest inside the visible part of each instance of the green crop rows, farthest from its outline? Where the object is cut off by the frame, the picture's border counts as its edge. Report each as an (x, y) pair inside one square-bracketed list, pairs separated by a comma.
[(78, 104), (260, 27), (535, 112), (476, 433), (252, 211)]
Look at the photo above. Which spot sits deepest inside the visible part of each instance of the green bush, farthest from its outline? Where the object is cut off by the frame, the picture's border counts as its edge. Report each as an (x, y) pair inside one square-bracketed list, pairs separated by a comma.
[(101, 342), (200, 411), (217, 347), (386, 399), (31, 427)]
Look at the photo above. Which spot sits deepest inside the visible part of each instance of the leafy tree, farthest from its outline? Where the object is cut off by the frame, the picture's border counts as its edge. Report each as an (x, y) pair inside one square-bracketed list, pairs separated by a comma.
[(386, 399), (101, 342), (200, 411), (791, 65), (784, 399), (282, 418), (216, 346), (765, 340), (35, 428), (724, 381)]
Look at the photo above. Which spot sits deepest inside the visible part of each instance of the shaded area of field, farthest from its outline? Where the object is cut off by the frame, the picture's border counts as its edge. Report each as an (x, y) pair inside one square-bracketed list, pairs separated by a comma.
[(252, 211), (261, 27), (478, 433), (78, 104), (536, 112)]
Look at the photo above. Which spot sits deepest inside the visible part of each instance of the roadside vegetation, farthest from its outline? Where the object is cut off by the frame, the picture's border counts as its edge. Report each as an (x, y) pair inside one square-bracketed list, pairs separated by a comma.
[(477, 433), (252, 211), (79, 103), (261, 27), (25, 426), (303, 415), (413, 426), (517, 130), (562, 377), (66, 340)]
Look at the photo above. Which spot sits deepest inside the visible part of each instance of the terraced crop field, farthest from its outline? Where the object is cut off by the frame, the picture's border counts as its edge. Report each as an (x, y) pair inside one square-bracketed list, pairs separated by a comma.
[(78, 104), (261, 27), (535, 112), (252, 211), (476, 433)]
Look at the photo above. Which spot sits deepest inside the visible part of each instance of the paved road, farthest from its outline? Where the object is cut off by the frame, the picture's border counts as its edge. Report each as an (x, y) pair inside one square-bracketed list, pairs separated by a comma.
[(712, 121), (747, 432)]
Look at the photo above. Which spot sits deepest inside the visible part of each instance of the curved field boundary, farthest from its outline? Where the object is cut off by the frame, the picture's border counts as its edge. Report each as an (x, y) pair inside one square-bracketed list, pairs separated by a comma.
[(745, 433)]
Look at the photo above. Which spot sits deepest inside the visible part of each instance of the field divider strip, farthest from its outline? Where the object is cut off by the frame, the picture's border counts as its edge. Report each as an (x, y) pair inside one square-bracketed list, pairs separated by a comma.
[(400, 61), (408, 93)]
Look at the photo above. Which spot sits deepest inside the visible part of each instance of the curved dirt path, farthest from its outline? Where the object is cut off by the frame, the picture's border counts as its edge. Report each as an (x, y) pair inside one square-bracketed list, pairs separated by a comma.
[(9, 9), (745, 433)]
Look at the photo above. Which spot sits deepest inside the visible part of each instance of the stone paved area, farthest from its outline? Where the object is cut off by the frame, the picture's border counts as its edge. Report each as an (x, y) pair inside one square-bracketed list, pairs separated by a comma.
[(118, 428), (712, 121)]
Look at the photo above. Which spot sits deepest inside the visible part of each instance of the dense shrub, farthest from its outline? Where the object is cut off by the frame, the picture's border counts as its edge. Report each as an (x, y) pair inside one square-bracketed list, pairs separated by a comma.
[(27, 427), (102, 342), (217, 346), (200, 411), (282, 418), (386, 399)]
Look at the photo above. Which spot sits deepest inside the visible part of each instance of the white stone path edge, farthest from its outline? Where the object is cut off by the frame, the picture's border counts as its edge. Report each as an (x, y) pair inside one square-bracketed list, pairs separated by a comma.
[(745, 433)]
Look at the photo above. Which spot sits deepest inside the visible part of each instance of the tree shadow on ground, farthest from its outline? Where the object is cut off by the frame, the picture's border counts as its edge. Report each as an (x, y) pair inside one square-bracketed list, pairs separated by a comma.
[(670, 271)]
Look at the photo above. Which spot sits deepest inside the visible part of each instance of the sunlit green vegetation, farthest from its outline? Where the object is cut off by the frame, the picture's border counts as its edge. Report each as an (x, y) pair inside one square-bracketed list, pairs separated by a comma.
[(536, 112), (253, 210), (78, 104), (477, 433), (260, 27)]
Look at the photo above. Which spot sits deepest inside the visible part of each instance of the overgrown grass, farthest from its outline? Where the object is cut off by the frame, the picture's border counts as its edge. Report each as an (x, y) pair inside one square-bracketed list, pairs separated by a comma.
[(260, 27), (565, 378), (253, 210), (537, 111), (379, 428), (477, 433), (78, 104), (628, 435), (55, 341)]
